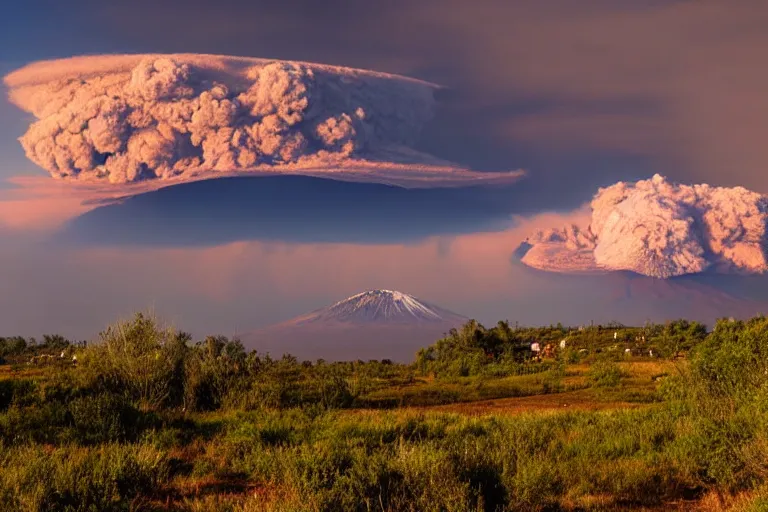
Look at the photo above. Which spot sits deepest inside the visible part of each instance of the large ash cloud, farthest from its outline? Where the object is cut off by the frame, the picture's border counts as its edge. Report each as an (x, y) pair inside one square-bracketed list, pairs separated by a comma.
[(132, 118), (661, 229)]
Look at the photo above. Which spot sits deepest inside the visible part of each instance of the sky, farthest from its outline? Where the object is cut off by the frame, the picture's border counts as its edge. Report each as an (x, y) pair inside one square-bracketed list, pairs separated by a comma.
[(580, 95)]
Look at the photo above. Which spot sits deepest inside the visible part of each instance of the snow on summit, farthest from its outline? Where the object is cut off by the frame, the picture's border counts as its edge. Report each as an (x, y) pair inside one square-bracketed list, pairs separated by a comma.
[(381, 306), (375, 324), (123, 119), (661, 229)]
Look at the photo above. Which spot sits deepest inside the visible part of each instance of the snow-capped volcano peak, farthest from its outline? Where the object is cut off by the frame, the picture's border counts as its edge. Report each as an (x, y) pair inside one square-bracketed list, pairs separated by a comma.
[(376, 324), (381, 306)]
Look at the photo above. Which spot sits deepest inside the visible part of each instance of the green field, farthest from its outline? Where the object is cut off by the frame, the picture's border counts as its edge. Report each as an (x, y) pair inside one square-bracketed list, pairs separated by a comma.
[(148, 420)]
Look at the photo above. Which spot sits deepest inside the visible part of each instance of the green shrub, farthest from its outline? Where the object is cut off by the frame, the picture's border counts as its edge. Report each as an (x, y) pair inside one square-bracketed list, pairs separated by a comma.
[(140, 359), (104, 418), (605, 374), (726, 397), (72, 479), (214, 372), (90, 419), (17, 391), (571, 356), (42, 423), (165, 438), (335, 391)]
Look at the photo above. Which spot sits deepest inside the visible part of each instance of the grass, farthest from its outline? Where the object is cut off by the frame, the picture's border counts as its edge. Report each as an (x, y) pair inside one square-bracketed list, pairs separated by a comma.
[(343, 461), (36, 478), (470, 443), (634, 383), (605, 433), (427, 392)]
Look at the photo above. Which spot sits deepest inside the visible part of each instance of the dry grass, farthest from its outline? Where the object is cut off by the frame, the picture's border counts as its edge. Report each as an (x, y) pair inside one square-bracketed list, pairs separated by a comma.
[(209, 482), (23, 372), (583, 400)]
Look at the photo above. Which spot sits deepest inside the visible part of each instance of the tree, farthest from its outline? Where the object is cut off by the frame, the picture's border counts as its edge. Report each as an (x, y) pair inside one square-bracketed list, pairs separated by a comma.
[(676, 336), (15, 345), (55, 342)]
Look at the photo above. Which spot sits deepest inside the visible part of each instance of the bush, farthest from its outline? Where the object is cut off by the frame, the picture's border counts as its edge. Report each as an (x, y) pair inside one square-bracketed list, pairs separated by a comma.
[(214, 370), (19, 392), (104, 418), (85, 420), (571, 356), (471, 349), (605, 374), (141, 360), (727, 398), (42, 423), (79, 479)]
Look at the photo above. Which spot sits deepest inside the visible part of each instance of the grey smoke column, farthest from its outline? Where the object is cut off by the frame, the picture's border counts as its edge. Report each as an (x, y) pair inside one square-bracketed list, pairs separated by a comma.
[(167, 116)]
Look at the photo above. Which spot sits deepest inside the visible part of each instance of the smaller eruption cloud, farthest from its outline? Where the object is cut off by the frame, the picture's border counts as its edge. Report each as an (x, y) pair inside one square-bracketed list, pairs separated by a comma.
[(661, 229), (125, 119)]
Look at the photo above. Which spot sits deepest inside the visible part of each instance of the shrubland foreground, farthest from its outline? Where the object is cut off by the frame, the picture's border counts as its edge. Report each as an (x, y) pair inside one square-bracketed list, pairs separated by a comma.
[(147, 420)]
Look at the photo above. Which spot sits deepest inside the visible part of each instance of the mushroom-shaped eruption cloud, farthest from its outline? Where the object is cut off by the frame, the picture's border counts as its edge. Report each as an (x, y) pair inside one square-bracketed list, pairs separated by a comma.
[(131, 118), (661, 229)]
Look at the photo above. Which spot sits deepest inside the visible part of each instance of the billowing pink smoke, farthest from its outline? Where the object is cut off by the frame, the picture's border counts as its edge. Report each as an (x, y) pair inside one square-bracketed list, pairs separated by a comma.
[(661, 229), (163, 117)]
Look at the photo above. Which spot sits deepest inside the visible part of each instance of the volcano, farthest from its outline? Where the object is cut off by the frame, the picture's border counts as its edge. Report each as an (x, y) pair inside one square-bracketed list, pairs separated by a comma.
[(376, 324)]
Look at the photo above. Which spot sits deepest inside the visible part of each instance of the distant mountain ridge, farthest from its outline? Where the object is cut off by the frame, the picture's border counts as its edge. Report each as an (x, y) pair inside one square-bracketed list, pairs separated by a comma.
[(375, 324)]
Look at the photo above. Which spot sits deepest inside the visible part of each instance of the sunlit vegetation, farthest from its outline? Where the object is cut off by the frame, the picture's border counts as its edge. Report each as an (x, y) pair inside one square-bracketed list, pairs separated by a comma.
[(602, 418)]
